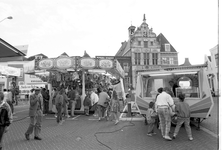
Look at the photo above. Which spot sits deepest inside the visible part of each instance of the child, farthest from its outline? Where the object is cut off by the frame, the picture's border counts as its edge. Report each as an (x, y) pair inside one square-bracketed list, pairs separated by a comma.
[(115, 107), (183, 116), (87, 104), (151, 119)]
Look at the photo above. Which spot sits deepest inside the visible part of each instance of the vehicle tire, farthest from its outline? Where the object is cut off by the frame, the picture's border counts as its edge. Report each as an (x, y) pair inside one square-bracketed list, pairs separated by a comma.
[(174, 120)]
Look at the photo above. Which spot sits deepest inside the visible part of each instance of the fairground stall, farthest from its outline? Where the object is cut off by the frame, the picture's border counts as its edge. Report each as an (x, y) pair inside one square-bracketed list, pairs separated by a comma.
[(13, 73), (190, 80), (81, 72)]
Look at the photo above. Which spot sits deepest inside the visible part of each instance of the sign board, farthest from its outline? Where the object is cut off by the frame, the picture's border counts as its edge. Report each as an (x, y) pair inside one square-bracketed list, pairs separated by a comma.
[(10, 71), (25, 89)]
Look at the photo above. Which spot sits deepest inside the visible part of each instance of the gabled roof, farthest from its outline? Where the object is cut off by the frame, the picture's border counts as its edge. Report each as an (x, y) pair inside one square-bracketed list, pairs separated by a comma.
[(64, 54), (161, 38), (33, 57), (123, 49), (7, 50)]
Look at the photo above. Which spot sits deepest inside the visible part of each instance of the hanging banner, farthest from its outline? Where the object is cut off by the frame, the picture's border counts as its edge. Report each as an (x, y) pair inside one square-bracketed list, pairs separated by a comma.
[(87, 63), (10, 71), (46, 64), (63, 63), (106, 64)]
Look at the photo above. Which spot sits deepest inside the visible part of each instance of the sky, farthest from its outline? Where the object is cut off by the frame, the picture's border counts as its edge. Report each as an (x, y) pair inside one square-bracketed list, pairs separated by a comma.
[(52, 27)]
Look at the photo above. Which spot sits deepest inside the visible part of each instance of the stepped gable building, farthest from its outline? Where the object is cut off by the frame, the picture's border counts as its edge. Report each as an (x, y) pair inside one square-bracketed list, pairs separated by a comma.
[(147, 50)]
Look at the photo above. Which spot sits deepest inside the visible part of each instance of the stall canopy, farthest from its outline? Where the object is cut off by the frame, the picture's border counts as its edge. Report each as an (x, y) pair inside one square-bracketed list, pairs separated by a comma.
[(9, 71), (7, 50), (65, 63)]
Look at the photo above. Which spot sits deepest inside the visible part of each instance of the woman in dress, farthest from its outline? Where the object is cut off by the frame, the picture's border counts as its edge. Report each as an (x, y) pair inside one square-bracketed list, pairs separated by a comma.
[(115, 109)]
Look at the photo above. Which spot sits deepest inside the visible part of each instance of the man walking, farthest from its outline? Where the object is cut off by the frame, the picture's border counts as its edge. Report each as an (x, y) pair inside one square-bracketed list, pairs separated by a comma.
[(164, 102), (72, 94), (5, 118), (103, 98), (46, 99), (35, 114)]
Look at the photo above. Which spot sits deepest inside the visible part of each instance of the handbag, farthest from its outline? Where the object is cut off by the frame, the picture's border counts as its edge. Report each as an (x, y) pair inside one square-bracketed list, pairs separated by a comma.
[(172, 113)]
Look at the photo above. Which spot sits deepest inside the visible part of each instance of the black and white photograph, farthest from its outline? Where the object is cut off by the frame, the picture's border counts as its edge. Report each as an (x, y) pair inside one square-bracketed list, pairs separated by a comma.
[(110, 75)]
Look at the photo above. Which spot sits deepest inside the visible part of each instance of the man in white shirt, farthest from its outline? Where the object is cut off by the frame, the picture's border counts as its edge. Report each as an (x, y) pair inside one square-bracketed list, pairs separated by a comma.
[(163, 103), (5, 92), (94, 97)]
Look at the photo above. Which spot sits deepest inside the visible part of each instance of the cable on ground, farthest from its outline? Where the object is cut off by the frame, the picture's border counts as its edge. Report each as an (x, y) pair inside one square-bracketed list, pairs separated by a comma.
[(130, 124)]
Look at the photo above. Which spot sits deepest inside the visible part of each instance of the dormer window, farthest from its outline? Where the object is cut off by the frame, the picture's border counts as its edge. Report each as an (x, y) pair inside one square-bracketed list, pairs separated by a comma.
[(167, 47)]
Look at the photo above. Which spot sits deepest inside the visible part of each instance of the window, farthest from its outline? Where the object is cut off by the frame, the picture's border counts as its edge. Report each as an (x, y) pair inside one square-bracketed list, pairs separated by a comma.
[(126, 67), (155, 58), (127, 82), (171, 61), (131, 31), (146, 58), (164, 61), (139, 43), (145, 44), (151, 42), (167, 47), (137, 58)]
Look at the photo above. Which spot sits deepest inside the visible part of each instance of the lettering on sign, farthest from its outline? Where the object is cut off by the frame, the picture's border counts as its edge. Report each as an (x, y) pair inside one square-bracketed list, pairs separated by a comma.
[(46, 64), (105, 57), (63, 63), (105, 64)]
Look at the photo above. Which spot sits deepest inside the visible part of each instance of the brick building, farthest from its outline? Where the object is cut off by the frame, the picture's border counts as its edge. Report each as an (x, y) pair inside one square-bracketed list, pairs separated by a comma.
[(147, 50)]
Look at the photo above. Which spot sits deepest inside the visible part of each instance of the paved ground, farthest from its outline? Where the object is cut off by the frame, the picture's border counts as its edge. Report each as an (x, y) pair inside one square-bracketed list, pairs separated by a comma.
[(86, 133), (212, 123), (81, 133)]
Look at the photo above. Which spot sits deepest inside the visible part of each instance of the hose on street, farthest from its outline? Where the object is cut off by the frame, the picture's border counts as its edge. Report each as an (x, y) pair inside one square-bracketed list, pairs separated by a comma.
[(130, 124)]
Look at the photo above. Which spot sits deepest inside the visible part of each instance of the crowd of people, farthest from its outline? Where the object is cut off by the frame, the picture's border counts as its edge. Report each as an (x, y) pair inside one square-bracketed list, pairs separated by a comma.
[(162, 109), (104, 103)]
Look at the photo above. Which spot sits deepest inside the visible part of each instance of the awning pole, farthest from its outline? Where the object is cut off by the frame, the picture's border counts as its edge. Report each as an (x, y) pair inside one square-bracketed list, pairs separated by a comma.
[(83, 89)]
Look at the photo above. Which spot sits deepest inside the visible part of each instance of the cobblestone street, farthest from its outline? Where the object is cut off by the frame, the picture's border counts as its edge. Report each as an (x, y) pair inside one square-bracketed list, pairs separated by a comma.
[(80, 134)]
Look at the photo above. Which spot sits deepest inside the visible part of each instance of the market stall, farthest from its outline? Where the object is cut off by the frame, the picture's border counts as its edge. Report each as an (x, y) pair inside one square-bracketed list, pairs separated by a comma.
[(13, 73), (65, 71)]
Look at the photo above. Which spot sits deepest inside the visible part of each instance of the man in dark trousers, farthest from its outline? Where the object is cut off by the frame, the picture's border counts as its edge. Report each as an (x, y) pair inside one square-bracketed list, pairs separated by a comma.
[(72, 94), (46, 99), (35, 114), (5, 118)]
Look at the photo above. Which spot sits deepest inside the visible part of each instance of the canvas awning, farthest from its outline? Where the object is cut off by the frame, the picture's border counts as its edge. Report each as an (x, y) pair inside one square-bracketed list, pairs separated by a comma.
[(7, 50)]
